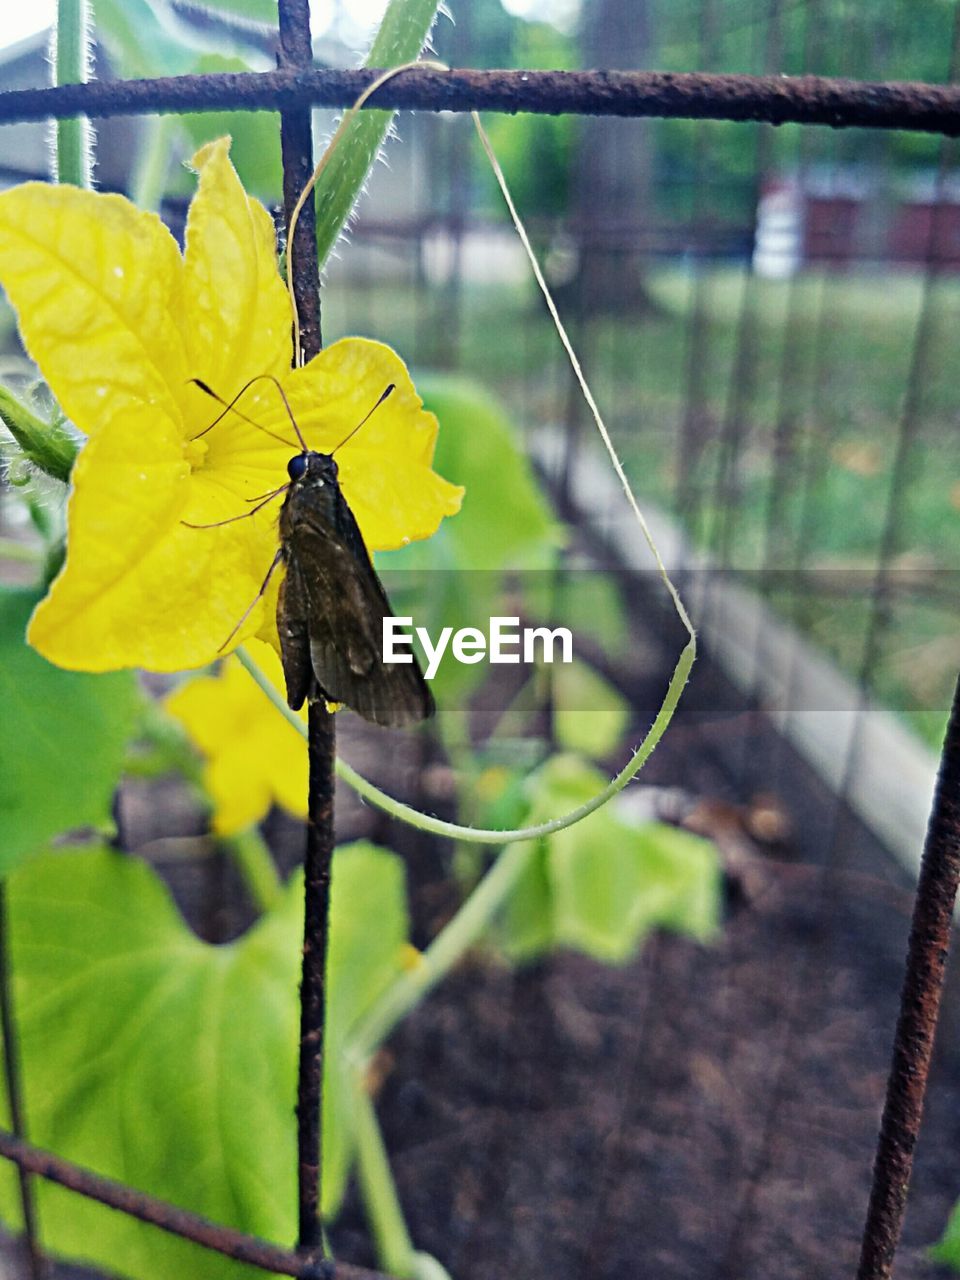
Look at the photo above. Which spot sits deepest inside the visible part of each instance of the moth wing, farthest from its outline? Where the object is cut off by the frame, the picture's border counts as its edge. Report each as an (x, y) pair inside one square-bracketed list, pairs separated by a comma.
[(294, 632), (345, 608)]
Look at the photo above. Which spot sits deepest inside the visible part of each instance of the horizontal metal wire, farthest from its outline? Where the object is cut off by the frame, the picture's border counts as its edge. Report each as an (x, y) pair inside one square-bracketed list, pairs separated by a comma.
[(927, 108)]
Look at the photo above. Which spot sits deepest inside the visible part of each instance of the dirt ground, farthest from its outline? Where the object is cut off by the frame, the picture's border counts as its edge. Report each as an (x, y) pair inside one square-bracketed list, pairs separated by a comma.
[(705, 1112)]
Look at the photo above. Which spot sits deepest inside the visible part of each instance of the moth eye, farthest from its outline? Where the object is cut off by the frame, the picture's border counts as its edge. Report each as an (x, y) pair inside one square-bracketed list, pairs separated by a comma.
[(297, 466)]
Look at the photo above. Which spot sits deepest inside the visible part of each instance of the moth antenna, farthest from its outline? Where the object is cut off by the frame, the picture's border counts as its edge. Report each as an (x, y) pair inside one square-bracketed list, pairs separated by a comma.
[(231, 405), (388, 392)]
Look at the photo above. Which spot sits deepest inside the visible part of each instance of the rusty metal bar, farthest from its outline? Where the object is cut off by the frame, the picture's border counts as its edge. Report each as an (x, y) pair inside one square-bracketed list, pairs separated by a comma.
[(919, 1009), (297, 148), (168, 1217), (37, 1263), (839, 103)]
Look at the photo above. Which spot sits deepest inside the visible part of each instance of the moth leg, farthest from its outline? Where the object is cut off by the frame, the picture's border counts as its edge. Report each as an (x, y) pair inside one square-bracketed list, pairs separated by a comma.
[(252, 512), (273, 564)]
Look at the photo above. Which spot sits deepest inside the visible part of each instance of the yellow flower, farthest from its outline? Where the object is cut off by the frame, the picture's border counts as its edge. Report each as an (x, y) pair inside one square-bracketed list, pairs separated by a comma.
[(254, 758), (119, 323)]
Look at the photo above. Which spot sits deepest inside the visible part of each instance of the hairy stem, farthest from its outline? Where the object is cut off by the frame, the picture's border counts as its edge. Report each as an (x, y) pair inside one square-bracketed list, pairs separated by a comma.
[(444, 952), (74, 158), (394, 1247)]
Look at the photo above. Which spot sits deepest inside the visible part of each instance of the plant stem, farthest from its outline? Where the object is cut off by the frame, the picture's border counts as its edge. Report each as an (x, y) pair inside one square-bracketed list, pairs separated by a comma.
[(482, 835), (74, 159), (45, 445), (255, 863), (443, 953), (394, 1247), (11, 1070), (402, 34)]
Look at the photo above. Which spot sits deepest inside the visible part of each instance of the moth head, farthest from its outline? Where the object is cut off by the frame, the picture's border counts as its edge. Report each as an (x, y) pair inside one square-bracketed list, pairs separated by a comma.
[(297, 466), (319, 467)]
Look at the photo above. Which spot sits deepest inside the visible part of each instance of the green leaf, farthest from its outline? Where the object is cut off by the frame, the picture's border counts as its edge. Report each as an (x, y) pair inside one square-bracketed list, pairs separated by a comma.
[(601, 886), (147, 37), (402, 34), (255, 152), (62, 739), (141, 39), (455, 578), (590, 716), (253, 10), (591, 603), (525, 929), (506, 522), (170, 1064), (947, 1248)]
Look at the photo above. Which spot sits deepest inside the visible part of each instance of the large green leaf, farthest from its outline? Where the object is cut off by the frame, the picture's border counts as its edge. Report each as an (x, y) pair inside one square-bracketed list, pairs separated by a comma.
[(506, 521), (947, 1248), (254, 10), (141, 38), (62, 739), (590, 716), (170, 1064), (604, 883), (147, 37), (456, 578)]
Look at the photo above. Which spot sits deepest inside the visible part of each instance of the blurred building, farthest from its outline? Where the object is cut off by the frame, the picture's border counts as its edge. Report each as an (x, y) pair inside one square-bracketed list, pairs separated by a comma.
[(849, 216)]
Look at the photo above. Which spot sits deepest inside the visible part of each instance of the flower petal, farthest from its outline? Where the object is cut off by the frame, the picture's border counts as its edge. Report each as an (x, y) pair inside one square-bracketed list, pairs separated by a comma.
[(396, 502), (97, 285), (139, 587), (237, 319), (254, 757), (385, 469), (238, 789)]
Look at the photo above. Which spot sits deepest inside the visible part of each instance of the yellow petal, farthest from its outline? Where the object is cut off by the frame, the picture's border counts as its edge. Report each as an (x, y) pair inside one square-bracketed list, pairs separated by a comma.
[(139, 588), (238, 789), (395, 501), (253, 756), (237, 318), (97, 286), (385, 469)]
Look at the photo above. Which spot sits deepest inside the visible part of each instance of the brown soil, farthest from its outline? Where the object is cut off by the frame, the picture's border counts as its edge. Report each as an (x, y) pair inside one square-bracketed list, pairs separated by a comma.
[(706, 1112)]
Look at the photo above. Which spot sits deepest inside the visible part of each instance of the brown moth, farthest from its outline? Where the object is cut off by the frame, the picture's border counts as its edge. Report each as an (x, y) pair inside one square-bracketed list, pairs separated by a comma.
[(331, 605)]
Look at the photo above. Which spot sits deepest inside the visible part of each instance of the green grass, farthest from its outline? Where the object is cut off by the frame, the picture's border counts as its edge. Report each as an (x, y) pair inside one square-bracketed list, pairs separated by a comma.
[(828, 360)]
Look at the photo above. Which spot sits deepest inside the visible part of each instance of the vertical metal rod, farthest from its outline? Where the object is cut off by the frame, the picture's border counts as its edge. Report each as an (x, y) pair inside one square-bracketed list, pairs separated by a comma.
[(296, 142), (694, 426), (313, 993), (11, 1071), (919, 1009), (296, 146)]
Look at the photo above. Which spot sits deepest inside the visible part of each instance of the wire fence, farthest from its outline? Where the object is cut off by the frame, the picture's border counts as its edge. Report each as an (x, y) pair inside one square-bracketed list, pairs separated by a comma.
[(764, 412)]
